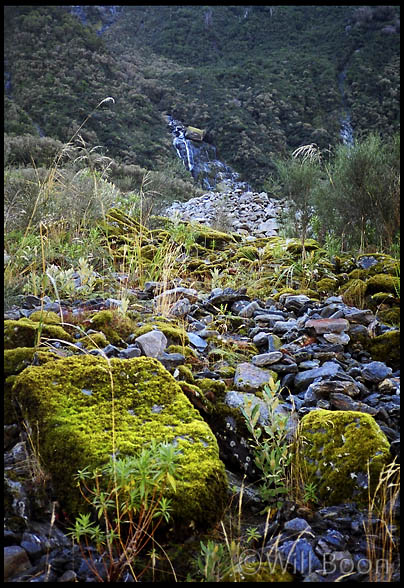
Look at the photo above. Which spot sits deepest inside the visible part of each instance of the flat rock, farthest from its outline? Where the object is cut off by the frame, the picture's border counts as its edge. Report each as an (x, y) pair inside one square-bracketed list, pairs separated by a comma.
[(250, 377), (327, 325), (264, 359), (327, 370), (152, 343)]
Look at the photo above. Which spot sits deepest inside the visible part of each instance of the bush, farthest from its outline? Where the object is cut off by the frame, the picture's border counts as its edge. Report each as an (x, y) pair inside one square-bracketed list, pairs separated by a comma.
[(360, 201)]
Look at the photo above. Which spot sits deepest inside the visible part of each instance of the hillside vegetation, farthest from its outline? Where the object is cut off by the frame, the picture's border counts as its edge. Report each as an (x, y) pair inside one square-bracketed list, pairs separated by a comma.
[(260, 80)]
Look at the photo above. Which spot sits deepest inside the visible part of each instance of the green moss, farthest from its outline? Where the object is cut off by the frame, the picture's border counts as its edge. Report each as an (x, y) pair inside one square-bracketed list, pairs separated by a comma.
[(295, 245), (186, 374), (24, 333), (327, 285), (338, 445), (45, 316), (94, 341), (113, 324), (382, 283), (73, 401), (390, 316), (175, 335), (386, 347), (258, 572), (186, 351), (353, 292)]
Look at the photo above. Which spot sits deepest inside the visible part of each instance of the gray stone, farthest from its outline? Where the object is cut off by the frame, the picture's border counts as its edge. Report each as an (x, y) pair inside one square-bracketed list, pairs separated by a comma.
[(344, 402), (129, 352), (376, 371), (327, 370), (152, 343), (16, 561), (300, 555), (249, 377), (248, 310), (181, 308), (298, 526), (266, 358), (197, 341)]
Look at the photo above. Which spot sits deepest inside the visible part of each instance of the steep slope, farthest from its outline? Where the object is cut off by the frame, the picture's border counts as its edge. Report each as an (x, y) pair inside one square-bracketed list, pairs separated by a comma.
[(259, 79)]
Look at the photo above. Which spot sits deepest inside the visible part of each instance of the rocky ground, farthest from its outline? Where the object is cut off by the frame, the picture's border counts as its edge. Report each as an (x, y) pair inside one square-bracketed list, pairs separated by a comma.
[(221, 347)]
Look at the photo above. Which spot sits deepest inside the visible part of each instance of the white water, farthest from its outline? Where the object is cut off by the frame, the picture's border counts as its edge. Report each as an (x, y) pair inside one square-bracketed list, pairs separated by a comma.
[(199, 158), (346, 132)]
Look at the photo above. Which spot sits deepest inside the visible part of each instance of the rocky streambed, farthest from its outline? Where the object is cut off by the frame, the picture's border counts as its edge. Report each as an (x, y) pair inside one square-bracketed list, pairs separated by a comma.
[(184, 374)]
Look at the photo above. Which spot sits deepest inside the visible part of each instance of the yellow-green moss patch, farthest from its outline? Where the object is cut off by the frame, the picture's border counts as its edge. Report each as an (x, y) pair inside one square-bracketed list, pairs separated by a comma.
[(94, 341), (113, 324), (45, 316), (337, 447), (25, 332), (78, 400), (258, 572), (386, 347)]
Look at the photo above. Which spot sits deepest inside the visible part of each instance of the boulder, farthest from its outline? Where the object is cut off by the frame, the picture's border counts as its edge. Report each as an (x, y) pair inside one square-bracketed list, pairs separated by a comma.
[(78, 401), (338, 446)]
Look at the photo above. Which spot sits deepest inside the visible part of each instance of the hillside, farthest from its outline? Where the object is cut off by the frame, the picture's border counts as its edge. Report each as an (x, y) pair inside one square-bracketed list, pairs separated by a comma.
[(260, 80)]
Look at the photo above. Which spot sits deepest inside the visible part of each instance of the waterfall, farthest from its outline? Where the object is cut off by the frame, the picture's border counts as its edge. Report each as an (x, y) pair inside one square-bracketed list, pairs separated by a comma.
[(346, 132), (199, 158)]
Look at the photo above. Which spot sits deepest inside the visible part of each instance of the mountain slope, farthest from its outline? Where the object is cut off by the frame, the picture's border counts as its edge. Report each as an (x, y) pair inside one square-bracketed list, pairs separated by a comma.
[(259, 79)]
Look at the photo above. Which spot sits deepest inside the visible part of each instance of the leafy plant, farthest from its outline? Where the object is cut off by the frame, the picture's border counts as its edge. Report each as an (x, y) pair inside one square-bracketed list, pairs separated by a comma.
[(129, 498), (271, 447)]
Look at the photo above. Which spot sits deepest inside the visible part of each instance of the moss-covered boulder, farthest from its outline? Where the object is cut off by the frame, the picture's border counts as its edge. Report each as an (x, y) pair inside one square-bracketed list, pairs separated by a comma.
[(26, 332), (113, 324), (337, 447), (79, 401), (386, 347)]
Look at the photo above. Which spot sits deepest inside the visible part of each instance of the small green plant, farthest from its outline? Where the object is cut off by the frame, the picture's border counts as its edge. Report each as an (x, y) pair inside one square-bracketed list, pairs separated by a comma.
[(309, 492), (129, 497), (271, 447)]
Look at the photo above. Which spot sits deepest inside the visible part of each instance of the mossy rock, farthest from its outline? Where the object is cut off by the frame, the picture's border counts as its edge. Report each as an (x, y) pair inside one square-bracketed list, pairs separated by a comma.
[(258, 572), (295, 245), (73, 402), (327, 285), (353, 292), (45, 316), (25, 332), (15, 361), (382, 283), (386, 347), (175, 335), (338, 445), (247, 252), (115, 326), (212, 239), (187, 352), (283, 291), (358, 274), (186, 374), (385, 263), (94, 341), (390, 316), (217, 388)]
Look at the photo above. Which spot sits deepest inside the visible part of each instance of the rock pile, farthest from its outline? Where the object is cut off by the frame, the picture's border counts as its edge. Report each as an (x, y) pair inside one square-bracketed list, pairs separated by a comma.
[(231, 347), (238, 211)]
